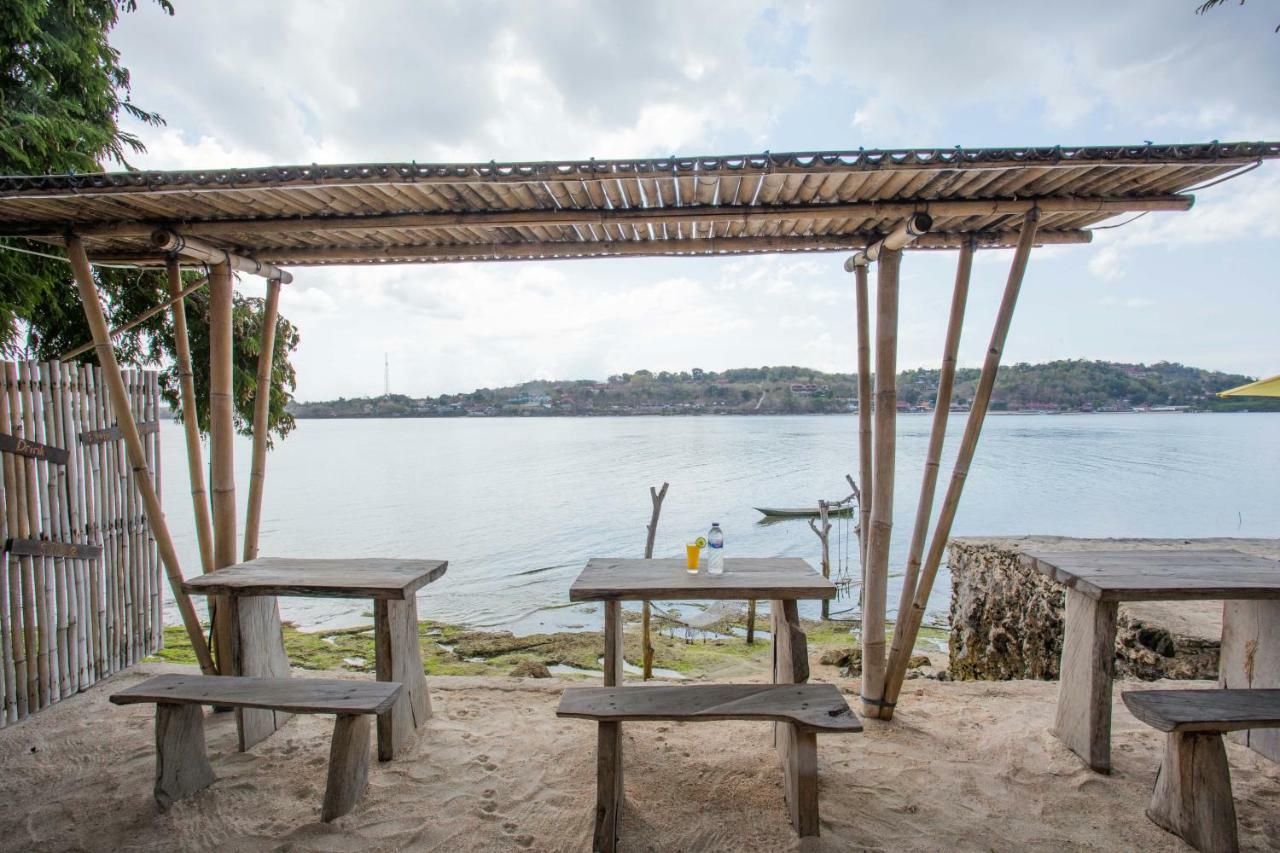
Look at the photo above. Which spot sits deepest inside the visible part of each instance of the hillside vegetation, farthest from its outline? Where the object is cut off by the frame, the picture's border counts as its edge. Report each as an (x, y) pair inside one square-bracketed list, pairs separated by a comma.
[(1057, 386)]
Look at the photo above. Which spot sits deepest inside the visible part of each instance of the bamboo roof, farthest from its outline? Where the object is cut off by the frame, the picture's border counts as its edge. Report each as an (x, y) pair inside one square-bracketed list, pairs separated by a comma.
[(718, 205)]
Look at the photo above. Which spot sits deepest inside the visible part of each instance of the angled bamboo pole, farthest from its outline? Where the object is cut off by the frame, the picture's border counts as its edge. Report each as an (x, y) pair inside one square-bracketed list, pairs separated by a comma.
[(880, 529), (929, 481), (190, 421), (221, 448), (261, 418), (656, 496), (133, 445), (864, 418), (968, 444), (174, 298)]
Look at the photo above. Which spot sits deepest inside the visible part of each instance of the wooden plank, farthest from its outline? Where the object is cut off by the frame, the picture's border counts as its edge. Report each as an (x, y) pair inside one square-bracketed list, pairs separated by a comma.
[(1251, 659), (19, 446), (113, 433), (815, 706), (257, 651), (1192, 796), (618, 579), (358, 577), (398, 659), (608, 785), (294, 695), (348, 765), (46, 548), (182, 764), (1205, 710), (1083, 721), (1162, 575)]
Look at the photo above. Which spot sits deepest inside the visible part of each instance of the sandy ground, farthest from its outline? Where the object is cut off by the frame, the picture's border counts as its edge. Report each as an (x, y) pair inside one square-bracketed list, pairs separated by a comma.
[(965, 766)]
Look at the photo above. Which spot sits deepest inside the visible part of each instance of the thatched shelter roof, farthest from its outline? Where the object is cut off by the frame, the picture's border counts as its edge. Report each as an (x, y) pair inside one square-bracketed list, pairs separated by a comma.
[(753, 203)]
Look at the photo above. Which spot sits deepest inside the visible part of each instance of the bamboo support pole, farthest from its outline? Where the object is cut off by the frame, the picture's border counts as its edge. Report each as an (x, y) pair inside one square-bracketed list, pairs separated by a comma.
[(968, 444), (656, 496), (880, 529), (933, 457), (865, 455), (140, 319), (261, 418), (221, 448), (190, 422), (133, 444)]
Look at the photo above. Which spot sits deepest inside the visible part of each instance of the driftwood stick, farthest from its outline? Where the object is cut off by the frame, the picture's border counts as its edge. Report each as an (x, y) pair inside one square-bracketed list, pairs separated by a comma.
[(823, 531), (932, 462), (133, 445), (968, 443), (190, 421), (261, 419), (656, 496)]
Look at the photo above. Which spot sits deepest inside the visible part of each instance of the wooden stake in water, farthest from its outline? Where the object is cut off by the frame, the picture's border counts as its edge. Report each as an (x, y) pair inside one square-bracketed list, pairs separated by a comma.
[(656, 496)]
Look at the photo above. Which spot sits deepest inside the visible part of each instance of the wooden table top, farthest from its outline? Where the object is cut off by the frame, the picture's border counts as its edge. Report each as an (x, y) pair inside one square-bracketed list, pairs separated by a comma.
[(1160, 575), (354, 577), (617, 579)]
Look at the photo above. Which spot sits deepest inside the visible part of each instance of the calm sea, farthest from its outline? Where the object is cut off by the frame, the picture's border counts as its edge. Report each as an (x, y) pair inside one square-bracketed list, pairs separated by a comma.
[(518, 505)]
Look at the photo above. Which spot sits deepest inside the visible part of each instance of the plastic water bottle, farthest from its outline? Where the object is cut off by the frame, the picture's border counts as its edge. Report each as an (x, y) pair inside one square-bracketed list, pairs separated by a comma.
[(715, 542)]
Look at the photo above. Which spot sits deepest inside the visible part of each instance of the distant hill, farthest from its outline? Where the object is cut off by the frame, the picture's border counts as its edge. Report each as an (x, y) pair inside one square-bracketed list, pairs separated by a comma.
[(1056, 386)]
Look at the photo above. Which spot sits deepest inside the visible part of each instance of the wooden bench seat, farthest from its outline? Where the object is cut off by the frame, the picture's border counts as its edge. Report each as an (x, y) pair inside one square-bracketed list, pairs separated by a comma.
[(1192, 796), (182, 764), (803, 709)]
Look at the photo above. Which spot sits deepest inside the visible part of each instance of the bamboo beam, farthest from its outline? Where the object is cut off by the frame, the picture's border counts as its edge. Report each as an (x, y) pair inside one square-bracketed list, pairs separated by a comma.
[(141, 318), (898, 650), (880, 528), (221, 447), (968, 444), (169, 242), (190, 419), (261, 418), (744, 214), (133, 446), (866, 487), (907, 232)]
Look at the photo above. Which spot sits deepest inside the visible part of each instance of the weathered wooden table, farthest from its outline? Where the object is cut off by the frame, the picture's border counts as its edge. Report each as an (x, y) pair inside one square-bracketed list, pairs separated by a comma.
[(257, 649), (780, 580), (1096, 581)]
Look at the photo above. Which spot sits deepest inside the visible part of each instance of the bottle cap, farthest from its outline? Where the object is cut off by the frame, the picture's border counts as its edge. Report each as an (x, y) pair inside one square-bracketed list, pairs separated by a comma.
[(715, 524)]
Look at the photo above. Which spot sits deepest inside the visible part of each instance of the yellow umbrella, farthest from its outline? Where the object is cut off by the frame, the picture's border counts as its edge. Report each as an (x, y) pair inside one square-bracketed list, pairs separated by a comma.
[(1261, 388)]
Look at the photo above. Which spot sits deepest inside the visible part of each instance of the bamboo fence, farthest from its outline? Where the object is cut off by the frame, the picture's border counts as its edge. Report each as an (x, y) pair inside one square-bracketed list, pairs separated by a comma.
[(80, 585)]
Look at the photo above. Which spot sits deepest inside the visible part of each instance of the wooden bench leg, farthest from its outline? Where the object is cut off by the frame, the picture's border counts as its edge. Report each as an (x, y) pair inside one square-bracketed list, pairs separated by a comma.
[(182, 765), (399, 658), (257, 650), (800, 778), (1192, 797), (1083, 721), (608, 786), (348, 765)]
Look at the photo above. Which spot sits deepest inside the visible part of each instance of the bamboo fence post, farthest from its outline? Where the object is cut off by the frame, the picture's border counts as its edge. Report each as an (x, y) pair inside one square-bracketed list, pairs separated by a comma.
[(72, 517), (190, 422), (656, 496), (968, 444), (55, 485), (8, 590), (865, 455), (221, 447), (261, 418), (880, 530), (15, 518), (822, 529), (153, 554), (39, 568), (929, 480), (133, 443)]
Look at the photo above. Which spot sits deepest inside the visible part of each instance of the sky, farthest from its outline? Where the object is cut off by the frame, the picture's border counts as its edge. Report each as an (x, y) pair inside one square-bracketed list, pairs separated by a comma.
[(321, 81)]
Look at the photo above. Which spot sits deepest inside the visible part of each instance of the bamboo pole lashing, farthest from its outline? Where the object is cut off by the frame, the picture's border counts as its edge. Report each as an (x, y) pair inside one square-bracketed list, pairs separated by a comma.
[(932, 463), (656, 497), (880, 528), (968, 444), (261, 418), (133, 444)]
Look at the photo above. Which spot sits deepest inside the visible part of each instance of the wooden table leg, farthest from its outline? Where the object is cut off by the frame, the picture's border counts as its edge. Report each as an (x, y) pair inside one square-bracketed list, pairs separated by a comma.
[(398, 657), (1083, 721), (612, 643), (1251, 660), (796, 748), (257, 649)]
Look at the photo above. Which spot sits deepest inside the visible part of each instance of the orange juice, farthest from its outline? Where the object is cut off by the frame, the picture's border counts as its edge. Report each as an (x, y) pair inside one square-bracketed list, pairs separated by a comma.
[(691, 553)]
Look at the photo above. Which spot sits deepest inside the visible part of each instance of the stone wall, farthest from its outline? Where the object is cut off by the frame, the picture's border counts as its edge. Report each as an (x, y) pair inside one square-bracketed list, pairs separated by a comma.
[(1007, 620)]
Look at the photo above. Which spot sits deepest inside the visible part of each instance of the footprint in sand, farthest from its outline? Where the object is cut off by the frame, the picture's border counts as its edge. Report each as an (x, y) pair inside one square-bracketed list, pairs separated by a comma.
[(488, 793), (511, 826), (486, 763), (489, 807)]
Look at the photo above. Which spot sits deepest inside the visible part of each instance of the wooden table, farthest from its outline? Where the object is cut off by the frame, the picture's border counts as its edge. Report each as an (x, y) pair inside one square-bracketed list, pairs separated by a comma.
[(257, 647), (1097, 581), (780, 580)]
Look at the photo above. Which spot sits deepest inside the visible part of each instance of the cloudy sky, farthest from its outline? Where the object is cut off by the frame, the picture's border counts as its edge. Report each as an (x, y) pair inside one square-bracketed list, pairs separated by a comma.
[(316, 81)]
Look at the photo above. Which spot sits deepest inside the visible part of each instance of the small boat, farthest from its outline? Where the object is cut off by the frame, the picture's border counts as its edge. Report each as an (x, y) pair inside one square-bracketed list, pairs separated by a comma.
[(834, 508)]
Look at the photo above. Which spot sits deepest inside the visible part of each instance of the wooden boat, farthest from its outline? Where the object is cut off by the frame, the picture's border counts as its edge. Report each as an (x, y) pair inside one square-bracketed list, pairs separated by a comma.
[(834, 508)]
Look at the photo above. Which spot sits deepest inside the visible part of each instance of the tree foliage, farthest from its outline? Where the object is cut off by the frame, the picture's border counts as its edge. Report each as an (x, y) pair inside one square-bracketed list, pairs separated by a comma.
[(62, 94)]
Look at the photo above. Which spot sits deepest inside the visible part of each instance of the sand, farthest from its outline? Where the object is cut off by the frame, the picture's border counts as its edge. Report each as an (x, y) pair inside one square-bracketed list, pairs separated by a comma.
[(965, 766)]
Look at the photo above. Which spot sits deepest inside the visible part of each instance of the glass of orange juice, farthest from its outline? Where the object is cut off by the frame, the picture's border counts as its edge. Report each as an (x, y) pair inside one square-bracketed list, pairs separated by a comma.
[(691, 554)]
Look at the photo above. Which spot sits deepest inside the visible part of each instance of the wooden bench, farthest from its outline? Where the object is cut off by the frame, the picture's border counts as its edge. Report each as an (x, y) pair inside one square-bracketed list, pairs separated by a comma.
[(806, 709), (182, 765), (1192, 796)]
